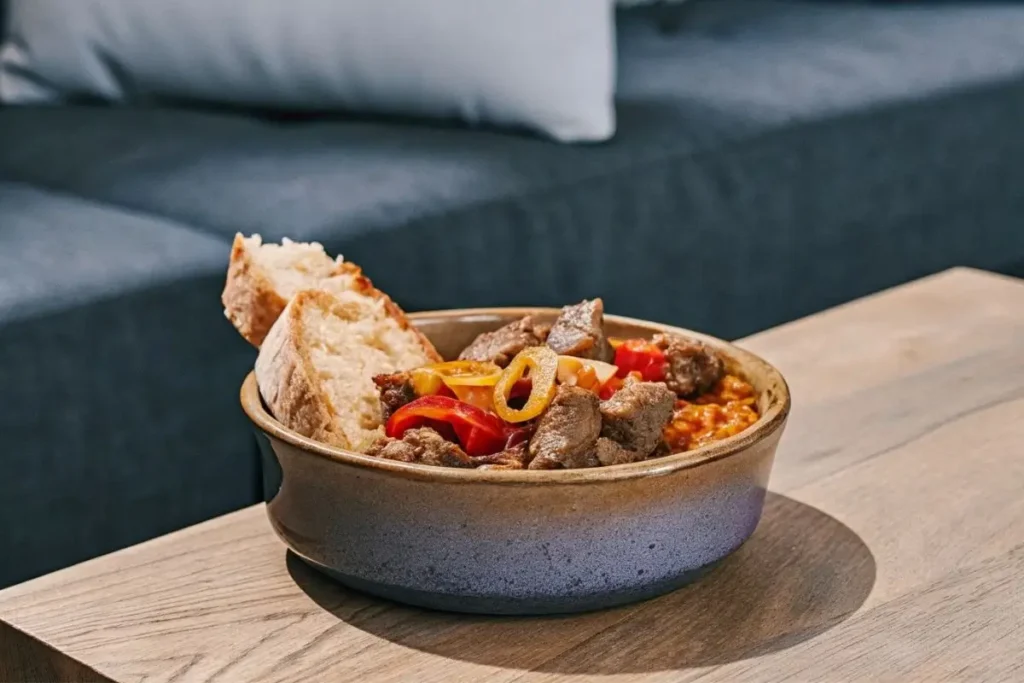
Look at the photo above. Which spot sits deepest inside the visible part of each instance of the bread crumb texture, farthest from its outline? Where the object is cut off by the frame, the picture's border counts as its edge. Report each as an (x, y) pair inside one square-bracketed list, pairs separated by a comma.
[(262, 278), (316, 365)]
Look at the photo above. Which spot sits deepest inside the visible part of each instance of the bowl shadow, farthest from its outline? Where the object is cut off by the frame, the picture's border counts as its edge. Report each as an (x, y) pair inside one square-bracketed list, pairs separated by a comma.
[(800, 574)]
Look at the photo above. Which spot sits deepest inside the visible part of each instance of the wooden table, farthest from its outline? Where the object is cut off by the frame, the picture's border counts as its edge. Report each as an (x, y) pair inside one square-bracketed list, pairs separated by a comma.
[(892, 548)]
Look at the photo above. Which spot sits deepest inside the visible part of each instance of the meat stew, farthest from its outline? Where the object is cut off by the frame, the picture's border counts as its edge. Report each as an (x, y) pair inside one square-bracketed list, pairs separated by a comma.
[(562, 396)]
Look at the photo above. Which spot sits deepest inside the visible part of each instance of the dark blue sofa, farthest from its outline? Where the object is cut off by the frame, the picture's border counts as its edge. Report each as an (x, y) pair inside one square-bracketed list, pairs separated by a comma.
[(772, 159)]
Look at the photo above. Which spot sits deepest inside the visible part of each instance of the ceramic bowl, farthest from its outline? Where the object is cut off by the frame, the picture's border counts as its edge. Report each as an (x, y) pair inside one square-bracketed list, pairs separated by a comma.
[(520, 542)]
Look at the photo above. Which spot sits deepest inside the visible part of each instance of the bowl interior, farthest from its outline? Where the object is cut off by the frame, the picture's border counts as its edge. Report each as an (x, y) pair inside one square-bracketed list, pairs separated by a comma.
[(453, 330)]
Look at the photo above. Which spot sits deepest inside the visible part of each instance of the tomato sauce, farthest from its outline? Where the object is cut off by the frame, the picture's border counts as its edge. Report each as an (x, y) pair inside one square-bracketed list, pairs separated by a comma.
[(724, 411)]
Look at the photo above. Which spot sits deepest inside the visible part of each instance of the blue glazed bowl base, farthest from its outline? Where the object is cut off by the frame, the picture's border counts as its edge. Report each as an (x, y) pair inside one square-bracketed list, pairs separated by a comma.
[(497, 605)]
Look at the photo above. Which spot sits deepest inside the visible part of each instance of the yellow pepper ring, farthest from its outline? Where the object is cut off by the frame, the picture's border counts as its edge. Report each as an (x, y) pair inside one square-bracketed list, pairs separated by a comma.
[(467, 373), (457, 373), (542, 364), (425, 382)]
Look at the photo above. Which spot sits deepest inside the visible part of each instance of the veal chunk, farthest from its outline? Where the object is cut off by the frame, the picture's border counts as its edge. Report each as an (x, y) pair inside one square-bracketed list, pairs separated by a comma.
[(424, 446), (514, 458), (579, 331), (693, 367), (395, 391), (633, 420), (501, 345), (567, 431)]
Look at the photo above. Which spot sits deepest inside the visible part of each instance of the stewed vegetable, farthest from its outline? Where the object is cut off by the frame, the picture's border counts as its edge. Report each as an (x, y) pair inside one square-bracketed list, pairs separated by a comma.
[(540, 397)]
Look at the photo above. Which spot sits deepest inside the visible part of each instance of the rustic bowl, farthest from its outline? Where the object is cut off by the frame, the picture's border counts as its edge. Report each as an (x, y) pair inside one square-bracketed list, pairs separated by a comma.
[(520, 542)]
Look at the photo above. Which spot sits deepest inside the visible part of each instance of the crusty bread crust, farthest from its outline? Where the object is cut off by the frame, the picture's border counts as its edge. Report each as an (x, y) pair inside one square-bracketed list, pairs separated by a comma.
[(287, 378), (295, 388), (290, 369), (250, 301)]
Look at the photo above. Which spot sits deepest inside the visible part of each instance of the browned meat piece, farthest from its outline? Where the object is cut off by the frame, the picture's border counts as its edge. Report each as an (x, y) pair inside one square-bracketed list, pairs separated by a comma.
[(501, 345), (693, 367), (660, 451), (567, 431), (395, 391), (611, 453), (514, 458), (392, 449), (634, 418), (579, 331), (424, 446)]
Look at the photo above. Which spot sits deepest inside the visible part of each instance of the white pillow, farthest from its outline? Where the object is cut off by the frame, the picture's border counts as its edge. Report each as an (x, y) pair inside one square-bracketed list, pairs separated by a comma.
[(633, 3), (547, 65)]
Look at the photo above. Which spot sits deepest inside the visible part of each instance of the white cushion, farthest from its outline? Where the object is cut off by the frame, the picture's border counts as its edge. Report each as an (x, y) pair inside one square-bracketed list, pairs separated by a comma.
[(546, 65)]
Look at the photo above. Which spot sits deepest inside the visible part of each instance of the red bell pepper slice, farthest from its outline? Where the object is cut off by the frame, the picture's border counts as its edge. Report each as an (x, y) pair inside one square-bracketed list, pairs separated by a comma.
[(477, 441), (478, 432), (517, 435), (642, 356), (609, 388)]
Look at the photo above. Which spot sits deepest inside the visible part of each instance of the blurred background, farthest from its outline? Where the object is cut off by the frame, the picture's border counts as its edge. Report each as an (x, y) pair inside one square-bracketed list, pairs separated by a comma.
[(722, 165)]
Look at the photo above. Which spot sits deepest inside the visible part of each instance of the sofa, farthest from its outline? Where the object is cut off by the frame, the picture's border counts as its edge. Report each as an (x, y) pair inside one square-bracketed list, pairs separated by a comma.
[(772, 159)]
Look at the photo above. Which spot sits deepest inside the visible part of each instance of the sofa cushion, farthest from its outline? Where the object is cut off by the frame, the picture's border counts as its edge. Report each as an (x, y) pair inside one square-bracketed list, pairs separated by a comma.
[(118, 418), (48, 268), (803, 153), (544, 65)]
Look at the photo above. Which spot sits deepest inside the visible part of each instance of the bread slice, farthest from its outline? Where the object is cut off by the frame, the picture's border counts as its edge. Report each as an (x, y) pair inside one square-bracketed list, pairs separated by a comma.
[(316, 364), (262, 278)]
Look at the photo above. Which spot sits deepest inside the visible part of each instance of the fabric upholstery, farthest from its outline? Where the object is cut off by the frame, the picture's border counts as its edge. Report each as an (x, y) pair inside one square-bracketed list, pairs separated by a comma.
[(761, 146), (119, 421)]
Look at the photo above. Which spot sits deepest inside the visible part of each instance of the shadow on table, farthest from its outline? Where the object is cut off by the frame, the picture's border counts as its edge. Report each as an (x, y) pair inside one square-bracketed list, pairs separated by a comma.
[(800, 574)]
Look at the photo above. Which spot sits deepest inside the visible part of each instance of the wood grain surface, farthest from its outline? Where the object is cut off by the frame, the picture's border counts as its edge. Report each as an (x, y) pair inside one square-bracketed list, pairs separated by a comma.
[(892, 548)]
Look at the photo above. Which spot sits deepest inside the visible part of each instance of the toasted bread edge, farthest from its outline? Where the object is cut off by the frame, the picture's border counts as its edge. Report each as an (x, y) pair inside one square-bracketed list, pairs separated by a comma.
[(287, 379), (250, 301)]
